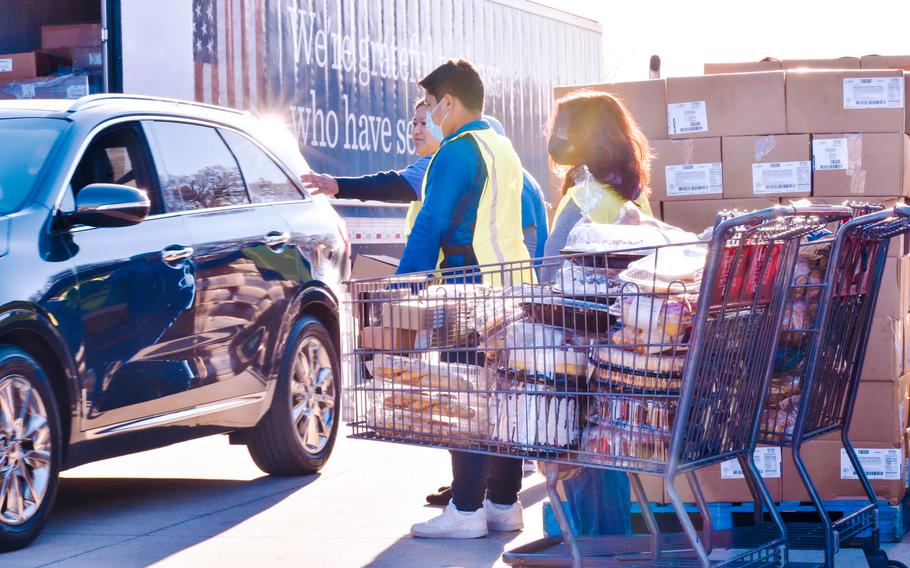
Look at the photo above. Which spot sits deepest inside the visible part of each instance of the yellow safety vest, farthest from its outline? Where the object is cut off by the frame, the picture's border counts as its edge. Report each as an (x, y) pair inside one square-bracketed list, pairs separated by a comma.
[(607, 210), (498, 237)]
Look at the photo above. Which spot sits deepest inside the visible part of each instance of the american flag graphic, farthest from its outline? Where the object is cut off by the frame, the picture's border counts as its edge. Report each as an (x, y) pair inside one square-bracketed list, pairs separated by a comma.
[(228, 43)]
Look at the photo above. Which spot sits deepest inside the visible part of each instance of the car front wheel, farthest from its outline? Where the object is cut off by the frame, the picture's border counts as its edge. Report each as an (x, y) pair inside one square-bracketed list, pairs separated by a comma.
[(30, 448), (297, 434)]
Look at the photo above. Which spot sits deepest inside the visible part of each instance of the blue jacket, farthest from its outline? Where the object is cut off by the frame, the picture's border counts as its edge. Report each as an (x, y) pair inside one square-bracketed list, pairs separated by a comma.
[(454, 183), (533, 216)]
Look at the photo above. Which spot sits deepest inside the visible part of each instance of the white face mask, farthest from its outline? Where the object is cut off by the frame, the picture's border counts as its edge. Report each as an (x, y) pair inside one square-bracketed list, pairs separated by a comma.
[(435, 130)]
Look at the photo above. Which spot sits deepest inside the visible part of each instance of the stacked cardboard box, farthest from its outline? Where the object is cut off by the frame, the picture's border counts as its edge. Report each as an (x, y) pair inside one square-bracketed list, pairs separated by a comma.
[(67, 66), (747, 136)]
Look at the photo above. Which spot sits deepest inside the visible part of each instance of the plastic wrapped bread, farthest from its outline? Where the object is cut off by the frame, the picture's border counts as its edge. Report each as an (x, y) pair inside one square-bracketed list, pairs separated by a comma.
[(534, 415)]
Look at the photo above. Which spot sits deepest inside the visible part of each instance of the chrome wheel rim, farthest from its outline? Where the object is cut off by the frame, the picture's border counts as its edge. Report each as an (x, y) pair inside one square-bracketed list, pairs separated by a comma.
[(25, 450), (313, 395)]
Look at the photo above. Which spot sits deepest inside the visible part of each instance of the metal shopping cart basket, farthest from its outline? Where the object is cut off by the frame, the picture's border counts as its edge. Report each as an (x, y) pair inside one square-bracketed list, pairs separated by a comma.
[(648, 361), (822, 349)]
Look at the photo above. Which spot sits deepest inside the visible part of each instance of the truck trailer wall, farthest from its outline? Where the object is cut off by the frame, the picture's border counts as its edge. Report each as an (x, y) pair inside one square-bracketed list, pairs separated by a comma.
[(343, 73), (157, 47)]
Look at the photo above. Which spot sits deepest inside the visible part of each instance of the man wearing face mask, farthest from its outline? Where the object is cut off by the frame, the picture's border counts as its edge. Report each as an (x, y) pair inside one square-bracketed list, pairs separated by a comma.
[(469, 213)]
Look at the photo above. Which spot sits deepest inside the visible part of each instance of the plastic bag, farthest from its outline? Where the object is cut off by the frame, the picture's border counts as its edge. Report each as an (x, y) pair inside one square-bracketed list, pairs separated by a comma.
[(672, 269), (632, 228)]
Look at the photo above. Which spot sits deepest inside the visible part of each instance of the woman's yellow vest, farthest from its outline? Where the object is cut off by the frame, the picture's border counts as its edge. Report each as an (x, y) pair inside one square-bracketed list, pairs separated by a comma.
[(498, 237), (607, 210)]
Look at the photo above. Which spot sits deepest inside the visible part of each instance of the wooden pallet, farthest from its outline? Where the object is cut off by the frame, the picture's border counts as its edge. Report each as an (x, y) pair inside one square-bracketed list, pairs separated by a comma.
[(894, 520)]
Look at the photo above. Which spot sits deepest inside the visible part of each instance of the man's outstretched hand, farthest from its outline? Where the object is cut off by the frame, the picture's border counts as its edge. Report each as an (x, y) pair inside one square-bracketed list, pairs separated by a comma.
[(320, 184)]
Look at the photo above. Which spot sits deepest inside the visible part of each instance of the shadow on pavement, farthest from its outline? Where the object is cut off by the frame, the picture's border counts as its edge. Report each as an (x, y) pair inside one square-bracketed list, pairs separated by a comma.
[(441, 553), (110, 511)]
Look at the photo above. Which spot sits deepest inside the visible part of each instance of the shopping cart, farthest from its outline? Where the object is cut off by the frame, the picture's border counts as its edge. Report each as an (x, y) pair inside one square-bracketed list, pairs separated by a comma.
[(821, 360), (649, 361)]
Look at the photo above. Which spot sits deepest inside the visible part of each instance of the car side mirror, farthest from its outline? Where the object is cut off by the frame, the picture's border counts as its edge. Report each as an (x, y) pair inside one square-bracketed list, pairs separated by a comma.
[(109, 205)]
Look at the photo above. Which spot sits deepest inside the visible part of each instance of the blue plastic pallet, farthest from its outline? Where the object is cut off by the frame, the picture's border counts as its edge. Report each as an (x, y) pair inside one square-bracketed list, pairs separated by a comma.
[(894, 520)]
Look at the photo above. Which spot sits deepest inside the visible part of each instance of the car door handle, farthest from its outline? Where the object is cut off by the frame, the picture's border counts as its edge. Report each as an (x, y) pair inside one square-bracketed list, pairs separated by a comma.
[(176, 253), (276, 239)]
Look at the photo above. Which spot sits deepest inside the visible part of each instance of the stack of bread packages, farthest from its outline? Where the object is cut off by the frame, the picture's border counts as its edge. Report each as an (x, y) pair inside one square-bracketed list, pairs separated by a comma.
[(428, 382), (747, 136)]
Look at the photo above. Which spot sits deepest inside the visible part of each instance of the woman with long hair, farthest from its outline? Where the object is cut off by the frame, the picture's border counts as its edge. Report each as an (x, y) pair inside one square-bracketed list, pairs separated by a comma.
[(594, 131)]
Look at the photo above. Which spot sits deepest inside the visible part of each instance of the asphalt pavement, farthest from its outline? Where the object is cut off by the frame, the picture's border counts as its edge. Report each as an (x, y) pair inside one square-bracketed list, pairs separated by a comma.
[(205, 504)]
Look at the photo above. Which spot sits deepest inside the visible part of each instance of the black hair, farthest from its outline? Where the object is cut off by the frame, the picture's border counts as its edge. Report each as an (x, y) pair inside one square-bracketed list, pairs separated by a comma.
[(459, 78)]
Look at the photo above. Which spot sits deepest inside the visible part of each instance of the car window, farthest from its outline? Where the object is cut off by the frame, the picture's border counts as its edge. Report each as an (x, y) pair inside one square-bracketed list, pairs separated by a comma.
[(117, 155), (25, 144), (196, 169), (265, 181)]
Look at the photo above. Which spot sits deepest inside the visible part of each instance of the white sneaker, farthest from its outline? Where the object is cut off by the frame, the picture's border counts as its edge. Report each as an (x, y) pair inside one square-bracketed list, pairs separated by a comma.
[(453, 523), (504, 518), (529, 466)]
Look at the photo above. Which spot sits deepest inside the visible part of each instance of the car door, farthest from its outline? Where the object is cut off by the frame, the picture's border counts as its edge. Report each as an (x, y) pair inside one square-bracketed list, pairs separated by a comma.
[(244, 269), (315, 229), (136, 290)]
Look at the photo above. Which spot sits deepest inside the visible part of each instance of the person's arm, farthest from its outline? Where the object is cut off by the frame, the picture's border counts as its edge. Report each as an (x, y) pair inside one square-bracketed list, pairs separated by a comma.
[(382, 186), (452, 174), (562, 225)]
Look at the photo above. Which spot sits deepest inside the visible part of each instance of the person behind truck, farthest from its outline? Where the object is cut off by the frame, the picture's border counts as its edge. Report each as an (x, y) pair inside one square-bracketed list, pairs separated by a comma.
[(470, 214), (402, 186), (596, 131)]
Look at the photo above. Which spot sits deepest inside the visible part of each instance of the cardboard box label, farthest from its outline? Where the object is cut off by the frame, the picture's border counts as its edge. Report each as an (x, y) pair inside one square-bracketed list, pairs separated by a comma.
[(878, 463), (6, 65), (695, 179), (76, 91), (687, 118), (767, 460), (781, 177), (874, 92), (94, 58), (830, 154)]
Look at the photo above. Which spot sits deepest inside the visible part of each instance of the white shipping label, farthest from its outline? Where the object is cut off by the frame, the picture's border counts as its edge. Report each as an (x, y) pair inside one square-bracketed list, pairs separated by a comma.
[(781, 177), (874, 92), (94, 58), (76, 91), (767, 460), (830, 154), (6, 65), (695, 179), (877, 463), (686, 118)]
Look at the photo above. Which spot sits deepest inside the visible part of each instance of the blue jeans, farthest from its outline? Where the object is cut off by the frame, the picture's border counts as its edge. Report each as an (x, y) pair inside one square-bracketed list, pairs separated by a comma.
[(598, 502), (475, 476)]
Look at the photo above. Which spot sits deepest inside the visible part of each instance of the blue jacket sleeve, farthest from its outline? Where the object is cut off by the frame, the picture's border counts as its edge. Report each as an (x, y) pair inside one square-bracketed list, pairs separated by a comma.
[(452, 175), (414, 174), (382, 186), (533, 215)]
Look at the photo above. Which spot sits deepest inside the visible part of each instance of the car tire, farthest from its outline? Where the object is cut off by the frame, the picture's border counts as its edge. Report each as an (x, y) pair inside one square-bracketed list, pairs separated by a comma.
[(31, 449), (297, 433)]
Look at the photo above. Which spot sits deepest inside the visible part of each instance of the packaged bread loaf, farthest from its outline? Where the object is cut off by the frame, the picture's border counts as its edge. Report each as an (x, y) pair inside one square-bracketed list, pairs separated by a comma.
[(417, 372)]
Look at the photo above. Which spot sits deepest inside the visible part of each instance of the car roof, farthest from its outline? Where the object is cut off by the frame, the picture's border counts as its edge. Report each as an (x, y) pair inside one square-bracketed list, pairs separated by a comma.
[(103, 106), (32, 107)]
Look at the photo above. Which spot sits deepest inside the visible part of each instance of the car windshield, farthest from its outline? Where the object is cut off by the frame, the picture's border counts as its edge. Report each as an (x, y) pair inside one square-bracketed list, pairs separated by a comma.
[(25, 144)]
